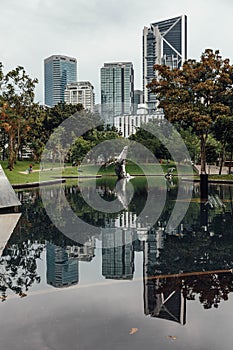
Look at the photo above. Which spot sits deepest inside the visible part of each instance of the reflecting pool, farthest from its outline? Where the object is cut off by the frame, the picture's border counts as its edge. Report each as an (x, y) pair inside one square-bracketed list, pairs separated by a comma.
[(126, 283)]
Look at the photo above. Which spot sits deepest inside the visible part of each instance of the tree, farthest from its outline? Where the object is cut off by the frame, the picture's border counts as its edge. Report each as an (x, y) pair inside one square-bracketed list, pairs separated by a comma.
[(92, 138), (192, 142), (57, 114), (195, 95), (37, 135), (17, 102), (150, 141), (223, 131), (213, 148)]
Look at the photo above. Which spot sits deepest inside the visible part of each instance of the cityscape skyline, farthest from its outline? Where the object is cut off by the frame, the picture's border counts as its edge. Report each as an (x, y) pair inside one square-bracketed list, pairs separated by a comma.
[(71, 33)]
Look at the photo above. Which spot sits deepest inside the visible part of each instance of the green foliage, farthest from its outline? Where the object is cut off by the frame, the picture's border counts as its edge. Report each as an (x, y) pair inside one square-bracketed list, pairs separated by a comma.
[(150, 141), (192, 143), (213, 148), (16, 106), (223, 132), (195, 95), (93, 138)]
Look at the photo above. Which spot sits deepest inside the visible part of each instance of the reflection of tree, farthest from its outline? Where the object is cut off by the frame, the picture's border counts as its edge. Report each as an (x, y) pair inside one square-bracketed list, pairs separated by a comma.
[(212, 288), (18, 268), (197, 252), (35, 223), (196, 264)]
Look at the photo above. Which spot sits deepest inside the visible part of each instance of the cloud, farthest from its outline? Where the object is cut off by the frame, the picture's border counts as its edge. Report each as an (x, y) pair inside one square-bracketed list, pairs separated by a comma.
[(98, 31)]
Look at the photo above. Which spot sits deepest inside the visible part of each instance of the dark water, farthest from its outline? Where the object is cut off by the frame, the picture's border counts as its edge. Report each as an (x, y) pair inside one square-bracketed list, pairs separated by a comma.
[(171, 287)]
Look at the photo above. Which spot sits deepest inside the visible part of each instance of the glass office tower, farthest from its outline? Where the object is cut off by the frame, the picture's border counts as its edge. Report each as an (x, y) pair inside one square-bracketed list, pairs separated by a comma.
[(164, 42), (117, 89), (58, 72)]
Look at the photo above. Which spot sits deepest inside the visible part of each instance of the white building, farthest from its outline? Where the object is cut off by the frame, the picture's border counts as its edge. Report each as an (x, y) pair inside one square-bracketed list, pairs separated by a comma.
[(128, 124), (80, 92)]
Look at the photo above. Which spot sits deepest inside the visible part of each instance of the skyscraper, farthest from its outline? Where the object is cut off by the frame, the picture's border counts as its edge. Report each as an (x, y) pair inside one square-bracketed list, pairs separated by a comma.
[(58, 72), (80, 92), (164, 42), (117, 89)]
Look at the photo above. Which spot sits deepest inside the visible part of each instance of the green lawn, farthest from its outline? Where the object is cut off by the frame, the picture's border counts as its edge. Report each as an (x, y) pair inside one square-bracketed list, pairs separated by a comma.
[(52, 171), (17, 177), (221, 177)]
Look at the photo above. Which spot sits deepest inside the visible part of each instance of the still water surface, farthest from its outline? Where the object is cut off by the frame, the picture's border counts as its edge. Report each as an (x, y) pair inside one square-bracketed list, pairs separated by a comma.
[(124, 287)]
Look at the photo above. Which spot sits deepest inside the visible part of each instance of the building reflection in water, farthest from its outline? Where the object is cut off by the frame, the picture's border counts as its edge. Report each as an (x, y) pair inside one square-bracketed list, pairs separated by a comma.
[(117, 249), (62, 266), (63, 262), (179, 264), (165, 303), (120, 239)]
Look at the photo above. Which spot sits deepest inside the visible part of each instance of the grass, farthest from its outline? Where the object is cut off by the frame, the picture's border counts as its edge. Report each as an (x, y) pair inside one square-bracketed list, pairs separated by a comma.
[(19, 174), (15, 176), (221, 177)]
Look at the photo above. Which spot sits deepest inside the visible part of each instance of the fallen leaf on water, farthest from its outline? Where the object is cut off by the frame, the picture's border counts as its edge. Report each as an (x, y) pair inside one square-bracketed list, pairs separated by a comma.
[(22, 295), (172, 337), (133, 330)]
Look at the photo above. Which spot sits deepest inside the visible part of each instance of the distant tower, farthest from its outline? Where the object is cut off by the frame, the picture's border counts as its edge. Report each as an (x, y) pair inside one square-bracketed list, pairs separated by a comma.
[(164, 42), (80, 92), (138, 99), (117, 89), (58, 72)]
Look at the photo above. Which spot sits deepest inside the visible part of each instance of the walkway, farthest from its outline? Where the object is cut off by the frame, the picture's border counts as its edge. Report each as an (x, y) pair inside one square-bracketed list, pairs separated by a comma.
[(213, 169)]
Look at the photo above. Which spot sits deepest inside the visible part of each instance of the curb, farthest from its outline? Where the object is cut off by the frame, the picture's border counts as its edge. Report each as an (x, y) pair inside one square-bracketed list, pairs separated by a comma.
[(38, 184)]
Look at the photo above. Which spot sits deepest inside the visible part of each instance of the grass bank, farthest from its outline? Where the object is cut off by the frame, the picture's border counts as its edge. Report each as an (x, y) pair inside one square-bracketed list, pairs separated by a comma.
[(20, 175)]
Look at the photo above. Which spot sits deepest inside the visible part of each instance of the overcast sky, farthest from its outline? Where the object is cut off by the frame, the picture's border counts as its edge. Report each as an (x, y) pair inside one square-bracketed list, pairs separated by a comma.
[(98, 31)]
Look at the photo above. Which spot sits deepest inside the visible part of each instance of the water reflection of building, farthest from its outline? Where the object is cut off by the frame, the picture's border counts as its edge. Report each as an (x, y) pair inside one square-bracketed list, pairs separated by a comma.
[(85, 252), (166, 303), (62, 266), (120, 237), (118, 250)]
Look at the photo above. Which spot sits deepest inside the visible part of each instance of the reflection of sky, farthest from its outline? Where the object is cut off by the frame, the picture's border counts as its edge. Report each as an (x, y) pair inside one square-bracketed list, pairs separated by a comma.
[(98, 313), (100, 317), (89, 272)]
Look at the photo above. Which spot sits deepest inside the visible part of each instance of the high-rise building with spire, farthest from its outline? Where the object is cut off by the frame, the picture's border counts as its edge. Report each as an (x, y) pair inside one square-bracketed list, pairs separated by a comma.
[(164, 42)]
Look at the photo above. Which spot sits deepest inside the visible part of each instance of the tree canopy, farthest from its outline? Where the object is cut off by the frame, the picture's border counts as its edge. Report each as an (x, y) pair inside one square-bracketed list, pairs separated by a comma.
[(16, 105), (195, 95)]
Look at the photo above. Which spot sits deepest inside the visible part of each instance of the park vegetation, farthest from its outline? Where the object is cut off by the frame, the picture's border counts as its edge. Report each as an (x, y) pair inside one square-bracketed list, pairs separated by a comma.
[(197, 99), (26, 126)]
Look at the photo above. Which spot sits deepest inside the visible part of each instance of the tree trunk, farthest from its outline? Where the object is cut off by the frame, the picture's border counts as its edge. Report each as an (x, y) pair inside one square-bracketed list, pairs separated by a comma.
[(17, 150), (222, 159), (11, 152), (230, 163), (203, 154), (4, 146)]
